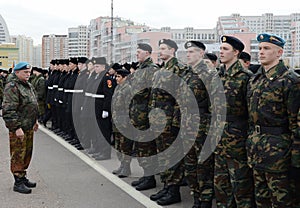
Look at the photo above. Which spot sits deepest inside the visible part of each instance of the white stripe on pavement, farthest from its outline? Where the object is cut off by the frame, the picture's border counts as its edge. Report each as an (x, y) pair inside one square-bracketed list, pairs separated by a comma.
[(141, 198)]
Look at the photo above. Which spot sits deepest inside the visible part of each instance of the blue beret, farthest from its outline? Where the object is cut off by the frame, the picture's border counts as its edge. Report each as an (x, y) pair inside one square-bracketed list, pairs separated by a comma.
[(194, 43), (168, 42), (22, 66), (145, 47), (233, 41), (271, 38)]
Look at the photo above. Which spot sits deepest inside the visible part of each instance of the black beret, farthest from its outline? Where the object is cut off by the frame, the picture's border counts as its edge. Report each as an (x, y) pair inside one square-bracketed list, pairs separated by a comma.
[(82, 60), (100, 60), (168, 42), (73, 60), (145, 47), (52, 62), (134, 65), (211, 56), (233, 41), (245, 56), (194, 43), (126, 66), (123, 72), (37, 69)]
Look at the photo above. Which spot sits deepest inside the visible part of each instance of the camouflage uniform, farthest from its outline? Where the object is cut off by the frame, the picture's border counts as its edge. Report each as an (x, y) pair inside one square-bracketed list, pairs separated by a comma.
[(273, 107), (142, 79), (233, 177), (164, 100), (20, 110), (199, 175), (38, 83), (1, 91)]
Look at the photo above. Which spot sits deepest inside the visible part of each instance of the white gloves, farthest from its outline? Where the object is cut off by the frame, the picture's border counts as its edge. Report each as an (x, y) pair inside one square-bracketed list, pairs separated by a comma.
[(104, 114)]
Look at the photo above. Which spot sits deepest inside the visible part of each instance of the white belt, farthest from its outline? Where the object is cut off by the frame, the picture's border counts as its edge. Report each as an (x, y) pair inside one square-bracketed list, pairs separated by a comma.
[(65, 90), (97, 96), (60, 89), (76, 91), (88, 94), (50, 88), (55, 86), (60, 101)]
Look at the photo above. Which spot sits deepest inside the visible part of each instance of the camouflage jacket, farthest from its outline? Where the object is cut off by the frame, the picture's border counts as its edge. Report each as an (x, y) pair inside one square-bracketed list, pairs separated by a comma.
[(166, 81), (20, 107), (273, 102), (141, 83), (1, 89), (38, 83), (235, 80)]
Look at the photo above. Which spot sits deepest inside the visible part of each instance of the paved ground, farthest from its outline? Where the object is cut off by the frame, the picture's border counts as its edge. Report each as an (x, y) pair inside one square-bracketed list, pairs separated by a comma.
[(68, 178)]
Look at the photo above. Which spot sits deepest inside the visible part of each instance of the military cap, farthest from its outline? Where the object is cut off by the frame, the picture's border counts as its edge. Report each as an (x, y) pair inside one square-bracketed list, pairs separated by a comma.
[(37, 69), (73, 60), (134, 65), (145, 47), (233, 41), (194, 43), (52, 62), (4, 71), (168, 42), (116, 66), (211, 56), (126, 66), (22, 66), (82, 60), (123, 72), (100, 60), (245, 56), (271, 38)]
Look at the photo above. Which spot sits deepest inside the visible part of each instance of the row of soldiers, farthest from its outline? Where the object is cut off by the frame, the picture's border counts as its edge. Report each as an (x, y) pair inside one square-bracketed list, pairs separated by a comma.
[(233, 135)]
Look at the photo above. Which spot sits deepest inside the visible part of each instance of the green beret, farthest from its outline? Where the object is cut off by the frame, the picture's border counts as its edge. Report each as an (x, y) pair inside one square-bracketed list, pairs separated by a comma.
[(145, 47), (22, 66), (233, 41), (168, 42), (194, 43), (271, 38)]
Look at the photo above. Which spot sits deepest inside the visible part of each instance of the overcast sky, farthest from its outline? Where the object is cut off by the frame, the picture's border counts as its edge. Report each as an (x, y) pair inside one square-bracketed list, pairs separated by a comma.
[(35, 18)]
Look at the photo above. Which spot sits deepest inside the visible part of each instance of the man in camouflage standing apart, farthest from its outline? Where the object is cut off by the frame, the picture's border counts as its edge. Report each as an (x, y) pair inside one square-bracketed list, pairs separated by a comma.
[(20, 113), (273, 103), (233, 177), (141, 86), (162, 99), (198, 78)]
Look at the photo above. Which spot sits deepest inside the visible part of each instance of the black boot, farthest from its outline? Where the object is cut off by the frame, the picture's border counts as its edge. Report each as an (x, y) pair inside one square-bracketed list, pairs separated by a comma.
[(126, 171), (171, 197), (197, 203), (148, 183), (206, 204), (160, 194), (20, 187), (137, 182), (28, 183)]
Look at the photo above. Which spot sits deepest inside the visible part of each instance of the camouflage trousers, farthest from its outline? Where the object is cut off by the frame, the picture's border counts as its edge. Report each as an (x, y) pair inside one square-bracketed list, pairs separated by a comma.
[(172, 168), (20, 152), (272, 189), (233, 183), (124, 146), (199, 175)]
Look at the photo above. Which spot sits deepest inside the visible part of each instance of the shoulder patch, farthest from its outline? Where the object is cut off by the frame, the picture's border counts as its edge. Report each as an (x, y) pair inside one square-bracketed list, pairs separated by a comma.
[(109, 83)]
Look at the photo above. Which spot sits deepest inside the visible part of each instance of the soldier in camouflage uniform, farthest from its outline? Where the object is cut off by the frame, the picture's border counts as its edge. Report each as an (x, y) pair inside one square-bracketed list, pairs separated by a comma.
[(141, 87), (20, 113), (273, 103), (1, 88), (164, 100), (120, 111), (233, 177), (38, 83), (198, 78)]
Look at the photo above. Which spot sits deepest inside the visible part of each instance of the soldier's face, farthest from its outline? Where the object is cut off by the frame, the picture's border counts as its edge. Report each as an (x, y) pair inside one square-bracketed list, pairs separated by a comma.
[(227, 53), (141, 55), (23, 75), (120, 79), (165, 52), (193, 55), (269, 53)]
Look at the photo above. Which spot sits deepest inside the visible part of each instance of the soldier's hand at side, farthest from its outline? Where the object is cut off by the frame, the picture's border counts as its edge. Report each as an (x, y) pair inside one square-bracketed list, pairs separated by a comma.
[(104, 114), (35, 127), (20, 133)]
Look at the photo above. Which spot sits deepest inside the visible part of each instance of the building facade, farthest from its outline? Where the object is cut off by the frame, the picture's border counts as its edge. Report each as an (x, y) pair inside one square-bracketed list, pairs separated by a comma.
[(4, 33), (9, 55), (78, 41)]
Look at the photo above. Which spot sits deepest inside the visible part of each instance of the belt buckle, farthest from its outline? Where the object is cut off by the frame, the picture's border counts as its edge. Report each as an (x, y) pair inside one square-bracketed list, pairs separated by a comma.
[(257, 129)]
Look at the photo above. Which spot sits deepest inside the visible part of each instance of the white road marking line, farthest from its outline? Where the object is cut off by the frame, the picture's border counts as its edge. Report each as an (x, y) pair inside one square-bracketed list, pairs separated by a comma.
[(141, 198)]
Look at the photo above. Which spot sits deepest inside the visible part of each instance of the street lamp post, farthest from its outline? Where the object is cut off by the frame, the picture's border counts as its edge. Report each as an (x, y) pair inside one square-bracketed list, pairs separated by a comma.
[(112, 31)]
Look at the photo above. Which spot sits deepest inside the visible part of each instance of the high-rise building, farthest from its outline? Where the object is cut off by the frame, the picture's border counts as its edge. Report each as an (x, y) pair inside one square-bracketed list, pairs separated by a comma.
[(4, 33), (25, 45), (78, 41), (54, 47), (37, 56)]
